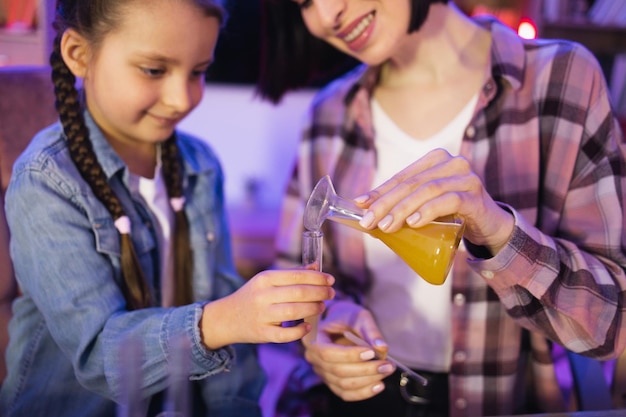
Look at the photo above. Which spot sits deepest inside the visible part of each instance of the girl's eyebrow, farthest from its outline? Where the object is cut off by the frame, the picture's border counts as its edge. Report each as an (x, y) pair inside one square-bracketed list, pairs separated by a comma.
[(166, 60)]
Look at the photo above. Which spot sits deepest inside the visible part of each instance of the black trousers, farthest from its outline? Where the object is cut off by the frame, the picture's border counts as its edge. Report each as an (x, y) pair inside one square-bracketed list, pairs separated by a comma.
[(390, 402)]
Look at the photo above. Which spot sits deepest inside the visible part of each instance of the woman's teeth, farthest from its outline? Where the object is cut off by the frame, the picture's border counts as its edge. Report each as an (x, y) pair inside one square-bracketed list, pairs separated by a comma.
[(356, 32)]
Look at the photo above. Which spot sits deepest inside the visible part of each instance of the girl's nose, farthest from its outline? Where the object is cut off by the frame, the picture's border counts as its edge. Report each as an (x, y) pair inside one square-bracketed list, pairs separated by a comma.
[(177, 94)]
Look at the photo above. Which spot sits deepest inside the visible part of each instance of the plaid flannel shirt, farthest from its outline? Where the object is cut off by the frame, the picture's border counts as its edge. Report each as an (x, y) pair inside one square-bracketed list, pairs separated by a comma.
[(547, 146)]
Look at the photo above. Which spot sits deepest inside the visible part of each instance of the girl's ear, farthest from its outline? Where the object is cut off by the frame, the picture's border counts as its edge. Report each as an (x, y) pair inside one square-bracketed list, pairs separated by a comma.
[(75, 52)]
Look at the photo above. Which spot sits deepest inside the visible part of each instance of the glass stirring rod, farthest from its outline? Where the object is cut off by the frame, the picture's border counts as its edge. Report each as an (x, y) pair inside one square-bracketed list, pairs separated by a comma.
[(360, 342)]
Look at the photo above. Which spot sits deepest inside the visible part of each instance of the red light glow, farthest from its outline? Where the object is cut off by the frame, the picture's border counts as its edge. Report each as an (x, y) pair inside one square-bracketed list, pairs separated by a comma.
[(527, 29)]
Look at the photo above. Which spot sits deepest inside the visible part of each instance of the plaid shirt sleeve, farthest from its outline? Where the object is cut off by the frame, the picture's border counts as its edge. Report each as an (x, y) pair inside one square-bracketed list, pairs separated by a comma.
[(561, 172)]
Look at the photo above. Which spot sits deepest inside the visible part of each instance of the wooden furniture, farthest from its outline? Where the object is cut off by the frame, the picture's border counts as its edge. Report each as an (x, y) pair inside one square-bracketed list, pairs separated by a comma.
[(28, 47)]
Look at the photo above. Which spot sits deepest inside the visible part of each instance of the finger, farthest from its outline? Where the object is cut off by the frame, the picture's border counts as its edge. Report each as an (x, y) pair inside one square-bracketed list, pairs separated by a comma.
[(341, 353), (300, 294), (371, 334), (359, 394), (352, 382), (356, 388), (282, 312), (296, 276), (371, 370), (442, 189), (279, 334), (431, 159)]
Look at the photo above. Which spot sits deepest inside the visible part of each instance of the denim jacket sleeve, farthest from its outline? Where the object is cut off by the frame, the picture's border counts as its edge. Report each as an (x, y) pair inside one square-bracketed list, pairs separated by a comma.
[(65, 253)]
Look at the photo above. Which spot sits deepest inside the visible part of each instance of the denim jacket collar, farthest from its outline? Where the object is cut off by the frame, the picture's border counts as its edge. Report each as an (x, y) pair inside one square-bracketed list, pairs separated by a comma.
[(107, 157), (112, 164)]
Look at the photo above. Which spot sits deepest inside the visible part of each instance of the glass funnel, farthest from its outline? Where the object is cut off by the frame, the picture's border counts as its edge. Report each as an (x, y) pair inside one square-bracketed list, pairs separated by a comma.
[(428, 250)]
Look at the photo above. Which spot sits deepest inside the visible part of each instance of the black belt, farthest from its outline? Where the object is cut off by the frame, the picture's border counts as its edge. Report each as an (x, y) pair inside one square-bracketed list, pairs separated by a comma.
[(433, 399), (435, 392)]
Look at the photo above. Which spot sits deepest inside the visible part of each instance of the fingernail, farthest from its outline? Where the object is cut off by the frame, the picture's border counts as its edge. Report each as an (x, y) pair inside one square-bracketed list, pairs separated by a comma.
[(413, 219), (362, 199), (367, 220), (385, 369), (385, 222), (378, 388), (379, 343), (367, 355)]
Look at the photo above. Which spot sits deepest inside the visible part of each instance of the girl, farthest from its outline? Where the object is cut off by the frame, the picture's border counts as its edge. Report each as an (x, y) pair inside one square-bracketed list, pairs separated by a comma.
[(119, 237), (515, 136)]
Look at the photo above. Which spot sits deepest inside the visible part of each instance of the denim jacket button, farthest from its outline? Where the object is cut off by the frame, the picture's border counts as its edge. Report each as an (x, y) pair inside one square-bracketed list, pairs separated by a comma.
[(210, 236)]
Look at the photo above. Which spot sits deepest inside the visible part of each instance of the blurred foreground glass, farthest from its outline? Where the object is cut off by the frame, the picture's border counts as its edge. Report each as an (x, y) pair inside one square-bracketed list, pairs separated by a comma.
[(428, 250)]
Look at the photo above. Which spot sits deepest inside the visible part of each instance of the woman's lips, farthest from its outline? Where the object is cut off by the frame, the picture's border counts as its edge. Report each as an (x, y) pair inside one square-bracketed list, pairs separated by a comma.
[(357, 33)]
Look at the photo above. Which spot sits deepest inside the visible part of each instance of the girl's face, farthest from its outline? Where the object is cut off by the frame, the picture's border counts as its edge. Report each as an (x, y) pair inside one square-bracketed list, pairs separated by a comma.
[(148, 73), (369, 30)]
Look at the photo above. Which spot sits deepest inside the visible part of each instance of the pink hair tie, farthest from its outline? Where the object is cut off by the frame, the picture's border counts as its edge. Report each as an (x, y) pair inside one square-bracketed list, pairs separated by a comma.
[(123, 225), (177, 203)]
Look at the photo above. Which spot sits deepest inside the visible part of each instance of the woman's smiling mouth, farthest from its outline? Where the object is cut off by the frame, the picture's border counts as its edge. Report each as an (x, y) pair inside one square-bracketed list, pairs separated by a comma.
[(359, 28)]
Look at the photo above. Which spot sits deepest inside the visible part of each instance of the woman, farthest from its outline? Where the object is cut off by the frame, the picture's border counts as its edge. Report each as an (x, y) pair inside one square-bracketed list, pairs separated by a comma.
[(452, 115)]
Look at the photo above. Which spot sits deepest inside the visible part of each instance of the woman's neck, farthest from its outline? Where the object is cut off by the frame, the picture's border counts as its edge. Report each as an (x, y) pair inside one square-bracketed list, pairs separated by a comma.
[(447, 44)]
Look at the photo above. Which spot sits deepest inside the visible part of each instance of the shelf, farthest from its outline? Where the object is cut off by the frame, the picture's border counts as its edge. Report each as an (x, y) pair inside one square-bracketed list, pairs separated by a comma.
[(598, 39), (29, 47), (27, 37)]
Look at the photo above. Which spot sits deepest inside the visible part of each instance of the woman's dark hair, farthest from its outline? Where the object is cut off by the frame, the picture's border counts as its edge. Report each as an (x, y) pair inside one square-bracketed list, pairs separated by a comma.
[(94, 19), (292, 58)]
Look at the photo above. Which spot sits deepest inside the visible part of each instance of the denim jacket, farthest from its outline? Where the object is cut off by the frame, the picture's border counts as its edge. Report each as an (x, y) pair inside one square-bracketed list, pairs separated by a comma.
[(71, 334)]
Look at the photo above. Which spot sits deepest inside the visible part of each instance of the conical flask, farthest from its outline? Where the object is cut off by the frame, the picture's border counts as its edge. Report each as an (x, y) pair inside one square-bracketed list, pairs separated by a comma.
[(428, 250)]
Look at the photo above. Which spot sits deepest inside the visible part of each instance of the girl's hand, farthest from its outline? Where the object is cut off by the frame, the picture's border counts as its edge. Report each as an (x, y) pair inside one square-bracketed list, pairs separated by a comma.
[(349, 371), (434, 186), (254, 313)]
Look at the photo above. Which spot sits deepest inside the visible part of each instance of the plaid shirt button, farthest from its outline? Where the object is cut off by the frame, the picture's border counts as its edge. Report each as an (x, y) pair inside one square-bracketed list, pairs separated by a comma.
[(460, 403), (460, 356), (459, 299), (487, 274)]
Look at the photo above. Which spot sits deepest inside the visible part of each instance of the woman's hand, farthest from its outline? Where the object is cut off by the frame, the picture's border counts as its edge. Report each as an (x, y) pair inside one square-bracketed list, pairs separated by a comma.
[(348, 370), (434, 186), (255, 312)]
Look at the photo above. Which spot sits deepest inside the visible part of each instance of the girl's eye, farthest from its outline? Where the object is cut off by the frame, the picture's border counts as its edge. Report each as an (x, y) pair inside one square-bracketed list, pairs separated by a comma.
[(152, 72), (199, 73)]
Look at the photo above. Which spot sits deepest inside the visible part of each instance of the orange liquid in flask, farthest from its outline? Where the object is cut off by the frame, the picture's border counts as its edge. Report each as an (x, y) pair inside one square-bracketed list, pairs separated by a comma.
[(428, 250)]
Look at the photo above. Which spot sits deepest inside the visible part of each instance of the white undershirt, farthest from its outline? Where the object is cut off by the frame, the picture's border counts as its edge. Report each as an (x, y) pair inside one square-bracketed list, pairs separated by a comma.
[(414, 315), (154, 193)]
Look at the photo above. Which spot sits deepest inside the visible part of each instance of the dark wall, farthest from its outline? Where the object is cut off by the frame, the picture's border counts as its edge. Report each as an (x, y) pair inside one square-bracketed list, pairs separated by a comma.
[(238, 49), (237, 52)]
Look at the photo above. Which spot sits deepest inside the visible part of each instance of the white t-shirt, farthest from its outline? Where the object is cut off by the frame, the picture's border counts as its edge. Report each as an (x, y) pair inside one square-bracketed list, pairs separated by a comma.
[(414, 315), (154, 193)]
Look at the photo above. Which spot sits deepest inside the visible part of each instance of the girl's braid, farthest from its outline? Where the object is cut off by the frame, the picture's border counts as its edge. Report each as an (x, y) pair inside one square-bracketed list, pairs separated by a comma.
[(183, 259), (67, 103)]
